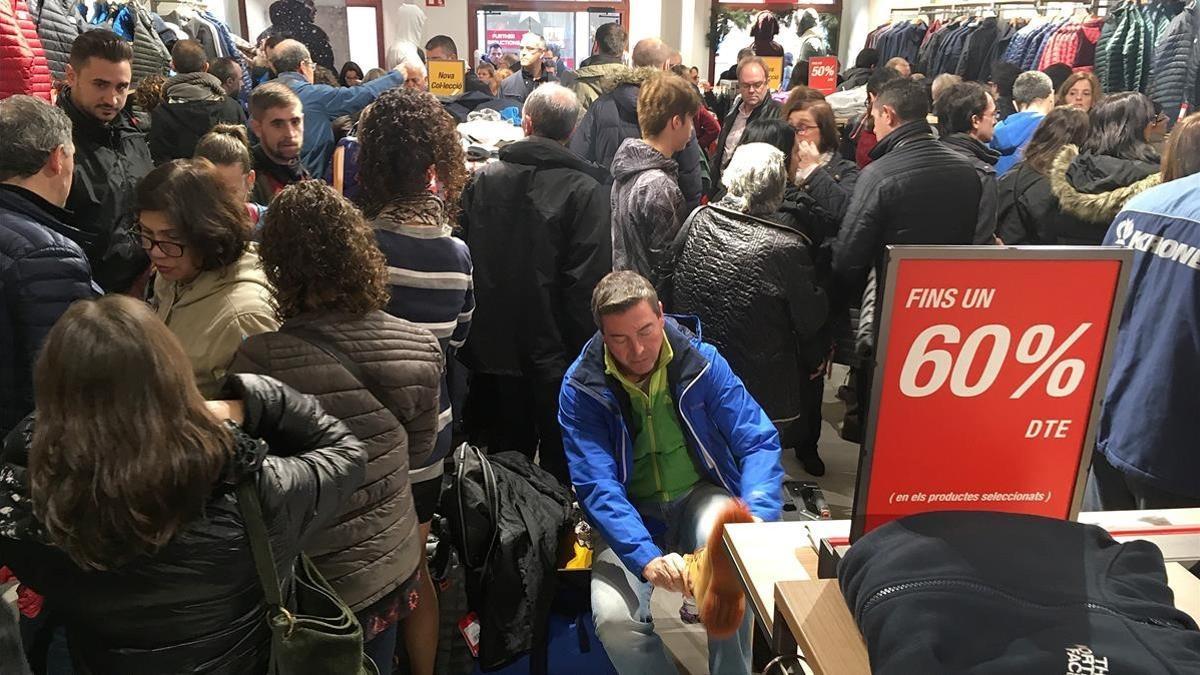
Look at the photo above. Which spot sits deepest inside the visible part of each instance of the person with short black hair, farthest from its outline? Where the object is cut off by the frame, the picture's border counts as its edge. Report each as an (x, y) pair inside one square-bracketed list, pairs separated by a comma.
[(609, 45), (606, 61), (495, 55), (194, 101), (1004, 76), (111, 156), (967, 117), (1033, 94), (648, 207), (858, 137), (229, 72), (539, 228), (864, 65), (443, 48)]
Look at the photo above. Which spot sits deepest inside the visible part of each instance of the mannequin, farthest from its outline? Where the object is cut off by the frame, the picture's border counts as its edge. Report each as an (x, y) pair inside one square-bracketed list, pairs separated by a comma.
[(813, 39)]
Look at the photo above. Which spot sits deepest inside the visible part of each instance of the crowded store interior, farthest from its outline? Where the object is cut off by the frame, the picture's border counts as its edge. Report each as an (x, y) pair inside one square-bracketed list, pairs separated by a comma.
[(600, 337)]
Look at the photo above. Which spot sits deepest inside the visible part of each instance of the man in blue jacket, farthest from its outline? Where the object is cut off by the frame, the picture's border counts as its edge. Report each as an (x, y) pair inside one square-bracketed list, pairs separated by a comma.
[(322, 103), (42, 269), (659, 434)]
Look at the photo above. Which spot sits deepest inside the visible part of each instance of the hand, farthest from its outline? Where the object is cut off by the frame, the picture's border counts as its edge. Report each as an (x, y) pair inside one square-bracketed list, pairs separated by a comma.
[(227, 410), (666, 572), (706, 86), (807, 155)]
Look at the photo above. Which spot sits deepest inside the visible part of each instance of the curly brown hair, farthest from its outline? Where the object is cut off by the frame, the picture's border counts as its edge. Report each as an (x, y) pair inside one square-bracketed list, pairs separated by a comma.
[(320, 254), (404, 133), (149, 93)]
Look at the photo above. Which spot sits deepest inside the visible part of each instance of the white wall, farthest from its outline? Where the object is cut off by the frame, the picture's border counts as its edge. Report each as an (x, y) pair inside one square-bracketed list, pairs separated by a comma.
[(859, 17), (449, 20)]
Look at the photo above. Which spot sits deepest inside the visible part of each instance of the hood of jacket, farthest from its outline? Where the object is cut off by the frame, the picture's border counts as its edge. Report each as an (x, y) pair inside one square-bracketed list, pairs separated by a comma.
[(901, 134), (601, 71), (93, 130), (972, 147), (1015, 131), (635, 156), (545, 153), (193, 87), (1088, 199)]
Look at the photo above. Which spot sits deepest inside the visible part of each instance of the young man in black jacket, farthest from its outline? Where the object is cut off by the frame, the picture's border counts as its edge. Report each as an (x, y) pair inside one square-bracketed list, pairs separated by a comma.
[(537, 224), (194, 101), (111, 157)]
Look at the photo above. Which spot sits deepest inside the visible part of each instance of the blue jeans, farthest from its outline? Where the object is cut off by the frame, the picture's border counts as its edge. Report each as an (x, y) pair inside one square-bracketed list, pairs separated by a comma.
[(621, 600)]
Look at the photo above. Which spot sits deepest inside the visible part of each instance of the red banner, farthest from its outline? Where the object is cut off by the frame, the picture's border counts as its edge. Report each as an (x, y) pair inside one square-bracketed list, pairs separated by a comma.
[(822, 74), (509, 40), (986, 385)]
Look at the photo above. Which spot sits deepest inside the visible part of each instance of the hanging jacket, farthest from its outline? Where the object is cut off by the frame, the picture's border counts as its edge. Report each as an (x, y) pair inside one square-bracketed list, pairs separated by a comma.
[(978, 592), (1103, 67), (193, 103), (196, 605), (296, 18), (110, 160), (612, 118), (1091, 189), (973, 62), (752, 284), (57, 26), (23, 67), (539, 226), (731, 439), (1148, 426), (1173, 63), (372, 546), (150, 55)]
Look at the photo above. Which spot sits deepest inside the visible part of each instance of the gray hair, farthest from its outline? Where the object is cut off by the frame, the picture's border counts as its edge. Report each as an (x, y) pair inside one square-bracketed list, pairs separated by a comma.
[(288, 55), (942, 83), (30, 130), (541, 40), (553, 109), (756, 178), (1032, 85), (620, 291)]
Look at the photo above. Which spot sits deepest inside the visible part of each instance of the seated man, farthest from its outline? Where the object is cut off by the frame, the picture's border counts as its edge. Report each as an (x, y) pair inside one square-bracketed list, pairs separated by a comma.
[(659, 435)]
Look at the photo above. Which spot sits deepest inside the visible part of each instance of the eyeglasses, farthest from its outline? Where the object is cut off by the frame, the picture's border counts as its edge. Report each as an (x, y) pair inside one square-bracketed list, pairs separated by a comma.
[(170, 249), (804, 128), (748, 86)]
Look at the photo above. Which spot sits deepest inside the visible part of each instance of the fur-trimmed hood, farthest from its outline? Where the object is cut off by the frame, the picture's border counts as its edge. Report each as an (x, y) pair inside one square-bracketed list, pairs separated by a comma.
[(1069, 182), (634, 76)]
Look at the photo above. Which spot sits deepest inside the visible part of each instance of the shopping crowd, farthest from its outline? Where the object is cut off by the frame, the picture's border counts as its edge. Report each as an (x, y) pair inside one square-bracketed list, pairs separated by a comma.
[(319, 294)]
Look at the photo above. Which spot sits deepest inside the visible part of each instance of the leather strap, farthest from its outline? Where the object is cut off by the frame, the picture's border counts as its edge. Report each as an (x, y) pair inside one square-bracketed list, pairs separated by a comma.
[(260, 543)]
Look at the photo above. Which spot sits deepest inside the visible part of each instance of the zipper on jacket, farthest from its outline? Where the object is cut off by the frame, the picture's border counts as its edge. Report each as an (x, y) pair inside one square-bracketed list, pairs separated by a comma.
[(979, 587), (704, 455), (624, 436), (654, 453)]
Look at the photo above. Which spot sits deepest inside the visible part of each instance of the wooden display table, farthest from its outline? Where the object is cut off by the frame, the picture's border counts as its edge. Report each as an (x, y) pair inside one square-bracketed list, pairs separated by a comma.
[(778, 568)]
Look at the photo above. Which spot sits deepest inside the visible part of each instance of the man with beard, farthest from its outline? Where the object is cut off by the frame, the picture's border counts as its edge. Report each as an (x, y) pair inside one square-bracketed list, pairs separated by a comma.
[(277, 118)]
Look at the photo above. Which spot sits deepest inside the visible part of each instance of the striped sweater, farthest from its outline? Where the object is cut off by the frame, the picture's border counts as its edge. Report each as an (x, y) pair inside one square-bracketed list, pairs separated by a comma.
[(429, 276)]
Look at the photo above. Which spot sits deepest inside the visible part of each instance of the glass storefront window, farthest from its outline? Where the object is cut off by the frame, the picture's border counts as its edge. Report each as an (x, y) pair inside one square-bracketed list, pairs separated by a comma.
[(569, 26)]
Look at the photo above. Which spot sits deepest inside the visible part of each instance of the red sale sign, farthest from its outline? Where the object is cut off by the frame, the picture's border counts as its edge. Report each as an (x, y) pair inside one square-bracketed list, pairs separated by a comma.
[(988, 372), (509, 40), (822, 74)]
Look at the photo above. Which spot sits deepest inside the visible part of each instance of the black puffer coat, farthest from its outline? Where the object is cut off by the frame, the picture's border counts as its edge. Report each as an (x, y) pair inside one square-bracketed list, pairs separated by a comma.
[(197, 605), (612, 118), (915, 191), (57, 26), (1173, 71), (752, 284), (110, 160)]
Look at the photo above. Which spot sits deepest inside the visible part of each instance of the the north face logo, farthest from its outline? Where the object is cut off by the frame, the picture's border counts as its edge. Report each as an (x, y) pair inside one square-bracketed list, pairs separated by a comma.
[(1081, 660), (1124, 231)]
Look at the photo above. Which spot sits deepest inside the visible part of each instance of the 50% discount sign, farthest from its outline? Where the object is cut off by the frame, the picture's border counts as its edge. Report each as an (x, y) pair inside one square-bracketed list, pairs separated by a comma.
[(988, 368)]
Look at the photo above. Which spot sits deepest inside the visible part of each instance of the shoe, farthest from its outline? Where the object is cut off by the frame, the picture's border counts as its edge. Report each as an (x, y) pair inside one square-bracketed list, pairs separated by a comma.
[(812, 463), (851, 429), (713, 580)]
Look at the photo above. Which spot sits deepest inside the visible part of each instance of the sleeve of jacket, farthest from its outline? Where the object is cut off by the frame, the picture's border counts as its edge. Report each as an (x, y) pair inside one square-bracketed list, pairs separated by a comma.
[(657, 208), (860, 237), (985, 225), (349, 100), (582, 139), (752, 438), (833, 194), (594, 474), (38, 288), (691, 178), (585, 262), (316, 463), (463, 328), (1010, 224), (807, 303)]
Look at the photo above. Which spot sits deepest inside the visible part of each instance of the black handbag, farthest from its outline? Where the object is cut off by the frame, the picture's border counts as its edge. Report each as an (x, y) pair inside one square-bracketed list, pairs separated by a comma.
[(321, 636)]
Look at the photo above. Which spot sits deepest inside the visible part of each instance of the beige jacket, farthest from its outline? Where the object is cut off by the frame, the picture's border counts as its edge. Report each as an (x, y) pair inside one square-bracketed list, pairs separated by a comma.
[(212, 314)]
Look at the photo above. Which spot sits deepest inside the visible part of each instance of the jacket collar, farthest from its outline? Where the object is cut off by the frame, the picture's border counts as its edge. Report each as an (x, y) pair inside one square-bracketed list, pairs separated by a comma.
[(293, 172), (973, 147), (33, 205), (544, 153), (736, 110), (87, 127), (292, 79), (909, 131), (683, 334), (189, 87)]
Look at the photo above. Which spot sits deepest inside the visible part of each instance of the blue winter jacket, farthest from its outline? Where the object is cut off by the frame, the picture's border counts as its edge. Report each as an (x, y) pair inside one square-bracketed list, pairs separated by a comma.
[(1011, 137), (1148, 423), (322, 104), (731, 439)]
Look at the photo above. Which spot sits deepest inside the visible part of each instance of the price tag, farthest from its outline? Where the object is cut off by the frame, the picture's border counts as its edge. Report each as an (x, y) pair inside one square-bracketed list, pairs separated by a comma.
[(469, 627), (989, 368)]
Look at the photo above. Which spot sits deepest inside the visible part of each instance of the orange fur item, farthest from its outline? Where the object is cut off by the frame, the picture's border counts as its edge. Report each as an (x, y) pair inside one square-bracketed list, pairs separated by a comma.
[(713, 581)]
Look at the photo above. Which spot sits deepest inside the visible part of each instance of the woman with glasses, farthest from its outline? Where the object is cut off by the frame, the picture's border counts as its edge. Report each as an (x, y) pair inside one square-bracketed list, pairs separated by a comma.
[(208, 287), (820, 169)]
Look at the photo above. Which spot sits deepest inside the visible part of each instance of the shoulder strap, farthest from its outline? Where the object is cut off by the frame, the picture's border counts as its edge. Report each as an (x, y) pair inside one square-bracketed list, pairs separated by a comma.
[(260, 543), (321, 342)]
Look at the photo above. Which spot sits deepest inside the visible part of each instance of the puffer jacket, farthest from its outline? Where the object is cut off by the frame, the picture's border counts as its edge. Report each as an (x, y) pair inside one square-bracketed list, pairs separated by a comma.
[(57, 25), (588, 81), (1091, 189), (193, 103), (372, 546), (110, 160), (647, 212), (42, 271), (752, 284), (214, 313), (23, 68), (915, 191), (196, 605), (1173, 64), (150, 55), (612, 118)]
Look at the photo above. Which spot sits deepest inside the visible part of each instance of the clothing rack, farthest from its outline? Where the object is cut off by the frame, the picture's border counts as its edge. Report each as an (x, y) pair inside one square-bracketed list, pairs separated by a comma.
[(997, 5)]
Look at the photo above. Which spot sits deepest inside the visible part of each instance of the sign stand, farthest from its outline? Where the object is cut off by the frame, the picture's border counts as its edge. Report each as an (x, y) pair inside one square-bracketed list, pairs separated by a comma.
[(989, 369)]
